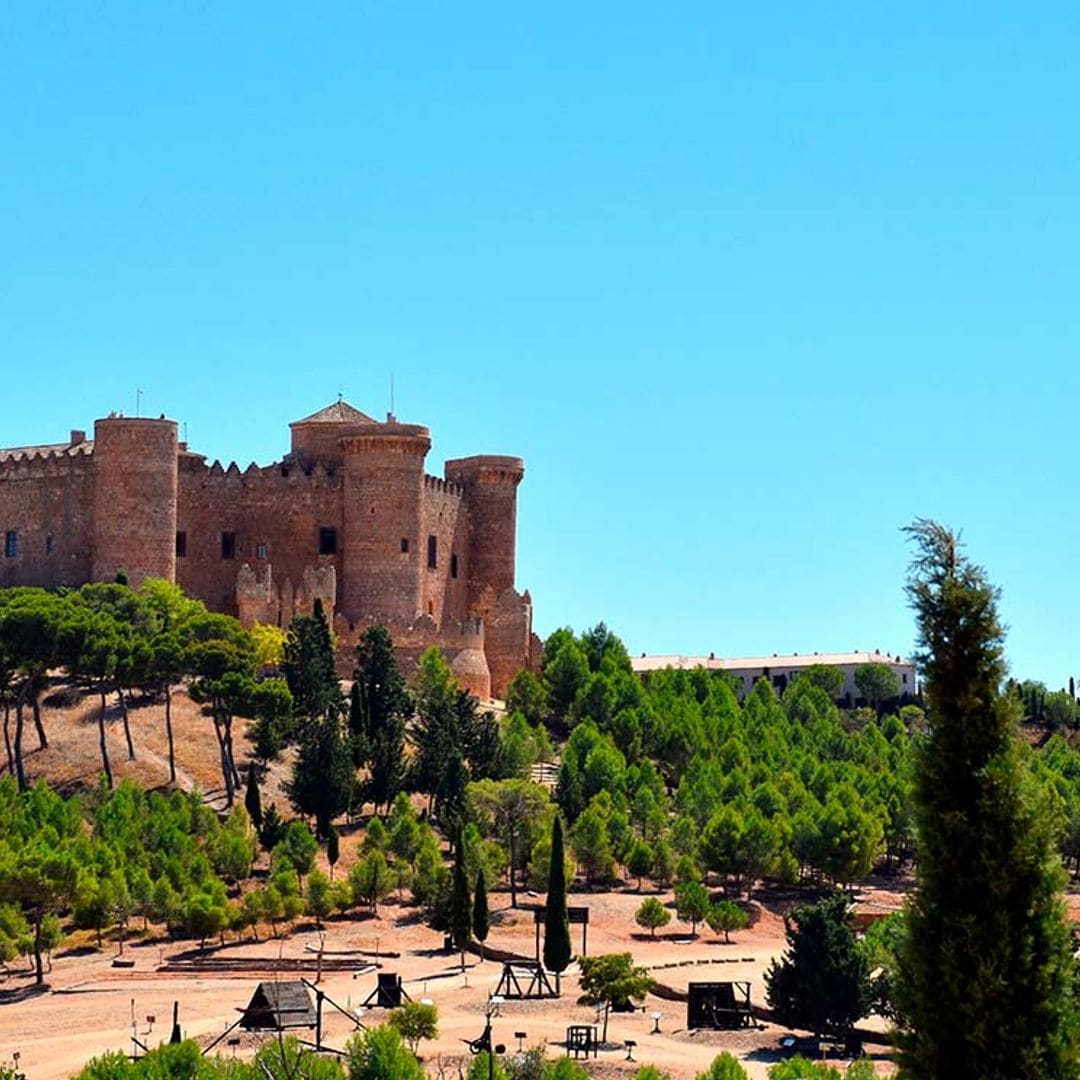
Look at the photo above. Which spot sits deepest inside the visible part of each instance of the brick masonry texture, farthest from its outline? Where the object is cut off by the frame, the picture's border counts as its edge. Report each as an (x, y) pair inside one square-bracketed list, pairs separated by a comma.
[(348, 515)]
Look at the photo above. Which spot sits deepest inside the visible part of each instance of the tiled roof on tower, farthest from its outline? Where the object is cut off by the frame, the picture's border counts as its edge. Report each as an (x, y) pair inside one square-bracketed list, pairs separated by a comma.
[(340, 412)]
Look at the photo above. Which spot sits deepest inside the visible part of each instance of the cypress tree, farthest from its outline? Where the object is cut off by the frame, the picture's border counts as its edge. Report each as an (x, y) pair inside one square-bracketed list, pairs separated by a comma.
[(481, 920), (333, 849), (322, 777), (308, 663), (357, 722), (460, 904), (557, 951), (383, 704), (252, 800), (985, 974)]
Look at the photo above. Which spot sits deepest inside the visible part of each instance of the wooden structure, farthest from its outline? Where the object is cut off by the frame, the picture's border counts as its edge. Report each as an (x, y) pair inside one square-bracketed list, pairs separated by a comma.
[(724, 1006), (278, 1005), (578, 916), (581, 1040), (388, 992), (524, 979)]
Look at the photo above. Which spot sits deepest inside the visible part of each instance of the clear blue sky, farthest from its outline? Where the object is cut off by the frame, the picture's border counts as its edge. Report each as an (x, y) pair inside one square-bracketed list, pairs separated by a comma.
[(748, 286)]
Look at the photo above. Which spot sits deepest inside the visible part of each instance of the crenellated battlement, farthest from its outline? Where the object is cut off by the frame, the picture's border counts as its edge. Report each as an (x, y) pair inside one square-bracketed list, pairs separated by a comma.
[(22, 462), (443, 487), (281, 476), (260, 599)]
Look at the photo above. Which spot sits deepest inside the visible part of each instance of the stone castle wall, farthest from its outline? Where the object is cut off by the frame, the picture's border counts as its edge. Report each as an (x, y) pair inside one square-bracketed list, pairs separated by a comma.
[(349, 515), (274, 514), (46, 499)]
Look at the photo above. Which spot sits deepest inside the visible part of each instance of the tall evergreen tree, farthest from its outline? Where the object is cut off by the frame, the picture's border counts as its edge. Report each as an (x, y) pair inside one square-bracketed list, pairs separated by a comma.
[(322, 775), (435, 732), (252, 799), (985, 984), (358, 726), (309, 665), (460, 902), (822, 981), (481, 916), (333, 849), (557, 950), (384, 704)]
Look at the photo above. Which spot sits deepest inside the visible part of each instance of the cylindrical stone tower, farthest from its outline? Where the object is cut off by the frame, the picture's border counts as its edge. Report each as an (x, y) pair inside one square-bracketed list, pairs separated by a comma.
[(490, 484), (134, 515), (384, 551)]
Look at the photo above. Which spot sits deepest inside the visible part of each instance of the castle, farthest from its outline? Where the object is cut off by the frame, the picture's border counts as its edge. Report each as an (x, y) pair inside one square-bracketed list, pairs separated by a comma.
[(348, 516)]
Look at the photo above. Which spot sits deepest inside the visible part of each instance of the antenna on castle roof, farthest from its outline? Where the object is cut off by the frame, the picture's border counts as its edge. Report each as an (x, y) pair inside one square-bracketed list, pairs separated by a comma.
[(340, 395), (390, 415), (138, 401)]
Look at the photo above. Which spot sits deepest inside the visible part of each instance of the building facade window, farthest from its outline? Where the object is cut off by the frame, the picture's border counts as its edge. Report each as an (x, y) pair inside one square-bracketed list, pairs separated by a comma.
[(49, 544), (260, 551), (11, 544), (327, 540), (453, 565), (432, 552), (181, 544), (228, 545), (404, 545)]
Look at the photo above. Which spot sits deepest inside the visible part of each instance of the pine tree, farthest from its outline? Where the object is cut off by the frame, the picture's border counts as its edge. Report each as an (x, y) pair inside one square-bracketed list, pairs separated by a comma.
[(985, 974), (460, 903), (481, 916), (252, 800), (822, 980), (557, 949)]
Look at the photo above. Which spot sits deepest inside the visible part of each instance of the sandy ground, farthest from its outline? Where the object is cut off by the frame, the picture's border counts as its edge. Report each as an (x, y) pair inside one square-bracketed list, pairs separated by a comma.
[(90, 1005)]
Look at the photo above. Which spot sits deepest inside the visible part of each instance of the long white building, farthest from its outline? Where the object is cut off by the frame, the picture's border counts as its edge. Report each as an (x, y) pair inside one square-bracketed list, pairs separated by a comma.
[(780, 670)]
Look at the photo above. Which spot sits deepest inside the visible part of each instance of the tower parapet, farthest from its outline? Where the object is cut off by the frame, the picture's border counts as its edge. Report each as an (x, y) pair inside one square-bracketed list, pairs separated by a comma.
[(490, 483), (382, 515), (134, 506)]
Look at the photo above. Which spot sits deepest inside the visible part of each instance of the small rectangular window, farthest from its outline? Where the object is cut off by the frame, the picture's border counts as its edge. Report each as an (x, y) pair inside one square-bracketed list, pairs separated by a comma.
[(327, 540), (905, 678), (432, 552), (453, 565), (260, 551), (48, 544), (11, 544), (181, 544), (404, 545), (228, 545)]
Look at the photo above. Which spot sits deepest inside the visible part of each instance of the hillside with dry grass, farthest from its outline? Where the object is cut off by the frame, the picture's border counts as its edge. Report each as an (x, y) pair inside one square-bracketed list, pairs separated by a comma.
[(72, 760)]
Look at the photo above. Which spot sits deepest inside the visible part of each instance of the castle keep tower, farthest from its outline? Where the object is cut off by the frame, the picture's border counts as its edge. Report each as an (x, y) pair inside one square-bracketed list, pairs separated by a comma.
[(382, 516), (134, 503), (490, 486)]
